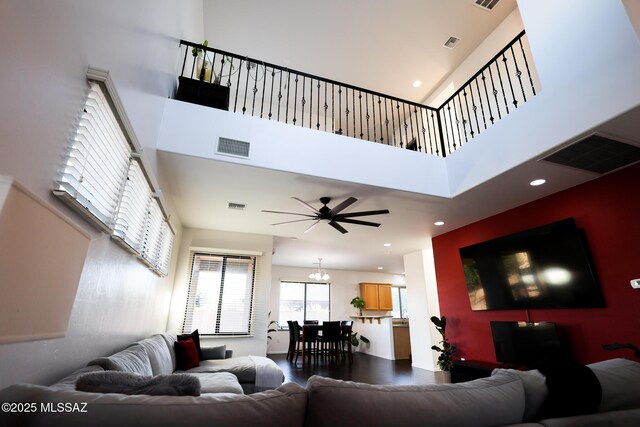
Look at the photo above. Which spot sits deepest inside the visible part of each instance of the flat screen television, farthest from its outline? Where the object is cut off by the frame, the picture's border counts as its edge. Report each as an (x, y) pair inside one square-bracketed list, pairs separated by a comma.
[(544, 267), (527, 343)]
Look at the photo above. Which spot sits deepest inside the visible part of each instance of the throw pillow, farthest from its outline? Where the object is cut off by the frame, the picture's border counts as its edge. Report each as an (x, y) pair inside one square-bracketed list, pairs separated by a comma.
[(128, 383), (573, 390), (535, 391), (218, 352), (195, 336), (186, 354)]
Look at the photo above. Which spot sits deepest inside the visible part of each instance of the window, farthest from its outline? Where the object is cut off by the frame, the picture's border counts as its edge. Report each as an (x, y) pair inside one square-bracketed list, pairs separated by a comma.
[(103, 178), (399, 299), (304, 301), (220, 297)]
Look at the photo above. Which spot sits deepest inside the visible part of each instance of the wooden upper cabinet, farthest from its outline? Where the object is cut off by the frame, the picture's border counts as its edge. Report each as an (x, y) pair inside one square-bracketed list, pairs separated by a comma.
[(376, 296)]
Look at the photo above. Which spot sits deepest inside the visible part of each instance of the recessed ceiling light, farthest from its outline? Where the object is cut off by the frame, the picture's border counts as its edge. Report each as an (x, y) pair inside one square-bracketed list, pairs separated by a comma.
[(537, 182), (380, 268), (386, 245), (438, 223), (417, 83)]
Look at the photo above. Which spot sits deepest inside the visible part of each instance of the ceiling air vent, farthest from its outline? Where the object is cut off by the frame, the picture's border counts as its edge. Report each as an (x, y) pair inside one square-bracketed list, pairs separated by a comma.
[(596, 153), (233, 147), (236, 206), (487, 5), (451, 42)]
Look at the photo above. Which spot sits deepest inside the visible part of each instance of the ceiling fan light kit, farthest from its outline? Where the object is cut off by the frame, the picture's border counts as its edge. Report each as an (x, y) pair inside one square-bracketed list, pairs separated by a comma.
[(331, 215)]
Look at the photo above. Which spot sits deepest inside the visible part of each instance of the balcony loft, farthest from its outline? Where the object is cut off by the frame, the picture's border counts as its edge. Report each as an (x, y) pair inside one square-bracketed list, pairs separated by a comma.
[(252, 87)]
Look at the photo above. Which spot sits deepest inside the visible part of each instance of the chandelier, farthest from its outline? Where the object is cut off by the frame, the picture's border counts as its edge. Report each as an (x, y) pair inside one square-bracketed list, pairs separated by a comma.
[(319, 273)]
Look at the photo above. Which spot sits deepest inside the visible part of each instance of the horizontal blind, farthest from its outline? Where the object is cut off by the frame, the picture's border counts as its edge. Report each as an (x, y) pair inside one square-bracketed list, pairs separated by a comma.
[(153, 229), (165, 244), (97, 159), (131, 220), (220, 295)]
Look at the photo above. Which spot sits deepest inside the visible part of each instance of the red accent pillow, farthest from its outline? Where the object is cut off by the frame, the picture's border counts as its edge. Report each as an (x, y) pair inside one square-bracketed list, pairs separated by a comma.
[(186, 354)]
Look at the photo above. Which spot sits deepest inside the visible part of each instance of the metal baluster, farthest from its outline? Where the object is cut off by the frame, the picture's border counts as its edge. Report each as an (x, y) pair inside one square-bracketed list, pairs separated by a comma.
[(264, 87), (393, 125), (494, 91), (518, 74), (526, 63), (318, 109), (466, 102), (506, 68), (506, 104), (366, 106), (326, 106), (273, 76), (386, 121), (255, 89), (446, 125), (280, 93), (340, 110), (413, 137), (295, 100), (310, 101), (437, 133), (464, 120), (235, 103), (425, 131), (486, 94), (222, 62), (246, 87), (380, 115), (404, 120), (399, 124), (303, 102), (346, 102), (455, 116), (184, 61), (193, 63), (484, 120), (333, 104), (474, 107), (353, 99), (360, 102), (286, 118)]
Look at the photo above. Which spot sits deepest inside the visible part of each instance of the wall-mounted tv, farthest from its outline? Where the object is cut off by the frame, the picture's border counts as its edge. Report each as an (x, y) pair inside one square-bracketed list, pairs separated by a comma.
[(527, 343), (543, 267)]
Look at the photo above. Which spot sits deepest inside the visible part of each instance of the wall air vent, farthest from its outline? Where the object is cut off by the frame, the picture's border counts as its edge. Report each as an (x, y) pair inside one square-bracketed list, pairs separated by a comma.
[(487, 5), (596, 153), (236, 206), (451, 42), (233, 147)]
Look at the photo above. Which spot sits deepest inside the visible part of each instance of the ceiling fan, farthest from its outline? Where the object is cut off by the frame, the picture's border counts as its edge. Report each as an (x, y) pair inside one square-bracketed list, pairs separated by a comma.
[(332, 215)]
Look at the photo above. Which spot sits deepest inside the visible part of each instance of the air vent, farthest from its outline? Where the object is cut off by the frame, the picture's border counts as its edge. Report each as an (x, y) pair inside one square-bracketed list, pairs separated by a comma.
[(236, 206), (487, 5), (451, 42), (596, 153), (232, 147)]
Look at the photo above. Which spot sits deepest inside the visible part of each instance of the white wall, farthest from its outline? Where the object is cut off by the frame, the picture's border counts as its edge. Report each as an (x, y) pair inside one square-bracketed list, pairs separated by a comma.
[(45, 54), (344, 286), (226, 240)]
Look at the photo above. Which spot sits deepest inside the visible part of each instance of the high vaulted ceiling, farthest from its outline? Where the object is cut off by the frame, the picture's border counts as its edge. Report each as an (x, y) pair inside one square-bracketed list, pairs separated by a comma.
[(376, 44)]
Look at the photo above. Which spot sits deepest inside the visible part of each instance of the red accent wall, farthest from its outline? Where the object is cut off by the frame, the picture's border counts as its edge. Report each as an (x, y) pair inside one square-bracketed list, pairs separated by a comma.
[(608, 210)]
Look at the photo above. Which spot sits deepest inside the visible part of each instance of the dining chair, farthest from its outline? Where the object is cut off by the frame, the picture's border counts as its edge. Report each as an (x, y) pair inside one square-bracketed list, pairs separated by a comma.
[(294, 339), (331, 340), (345, 333)]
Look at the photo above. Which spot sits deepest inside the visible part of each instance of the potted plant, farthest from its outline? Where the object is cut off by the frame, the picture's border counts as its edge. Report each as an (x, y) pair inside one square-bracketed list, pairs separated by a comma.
[(447, 351), (358, 304), (270, 326), (355, 341)]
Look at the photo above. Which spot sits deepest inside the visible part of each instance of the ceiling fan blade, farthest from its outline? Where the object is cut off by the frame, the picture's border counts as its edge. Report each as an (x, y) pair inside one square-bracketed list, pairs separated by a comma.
[(312, 226), (363, 213), (306, 205), (356, 221), (289, 213), (343, 205), (338, 227), (295, 220)]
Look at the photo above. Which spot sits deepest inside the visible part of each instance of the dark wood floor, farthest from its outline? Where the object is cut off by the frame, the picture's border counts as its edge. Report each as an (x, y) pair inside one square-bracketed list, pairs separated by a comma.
[(365, 369)]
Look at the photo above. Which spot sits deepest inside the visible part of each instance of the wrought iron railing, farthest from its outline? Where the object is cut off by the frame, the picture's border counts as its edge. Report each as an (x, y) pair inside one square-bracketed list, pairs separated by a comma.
[(253, 87)]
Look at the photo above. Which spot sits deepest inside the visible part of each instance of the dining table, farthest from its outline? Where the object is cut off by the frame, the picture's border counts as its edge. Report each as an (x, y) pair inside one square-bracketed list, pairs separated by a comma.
[(315, 329)]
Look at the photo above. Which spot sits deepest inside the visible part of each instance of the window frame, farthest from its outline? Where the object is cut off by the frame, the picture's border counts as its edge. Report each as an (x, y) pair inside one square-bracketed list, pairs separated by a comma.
[(285, 327), (192, 293)]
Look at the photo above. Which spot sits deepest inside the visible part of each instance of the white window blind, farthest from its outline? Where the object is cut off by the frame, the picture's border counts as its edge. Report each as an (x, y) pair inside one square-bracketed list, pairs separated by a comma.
[(97, 161), (104, 179), (220, 298)]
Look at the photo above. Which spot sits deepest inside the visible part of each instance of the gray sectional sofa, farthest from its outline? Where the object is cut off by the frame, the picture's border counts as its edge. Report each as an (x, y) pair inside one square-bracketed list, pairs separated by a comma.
[(507, 398)]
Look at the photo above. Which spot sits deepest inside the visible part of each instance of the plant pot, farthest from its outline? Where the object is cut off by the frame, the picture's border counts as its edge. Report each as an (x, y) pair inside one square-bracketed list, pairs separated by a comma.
[(203, 93), (445, 377)]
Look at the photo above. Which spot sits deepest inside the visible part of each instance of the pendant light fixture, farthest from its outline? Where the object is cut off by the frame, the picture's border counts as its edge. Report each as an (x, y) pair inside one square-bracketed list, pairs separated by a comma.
[(319, 273)]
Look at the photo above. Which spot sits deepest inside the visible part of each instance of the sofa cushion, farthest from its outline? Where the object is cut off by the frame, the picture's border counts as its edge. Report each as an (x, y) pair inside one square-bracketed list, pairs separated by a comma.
[(242, 367), (186, 354), (128, 383), (133, 359), (195, 336), (535, 391), (69, 382), (284, 406), (620, 382), (212, 353), (159, 354), (218, 382), (170, 339), (493, 401)]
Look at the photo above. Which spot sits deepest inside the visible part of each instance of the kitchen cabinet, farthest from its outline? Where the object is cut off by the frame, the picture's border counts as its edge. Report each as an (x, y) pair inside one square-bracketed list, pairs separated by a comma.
[(376, 296)]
